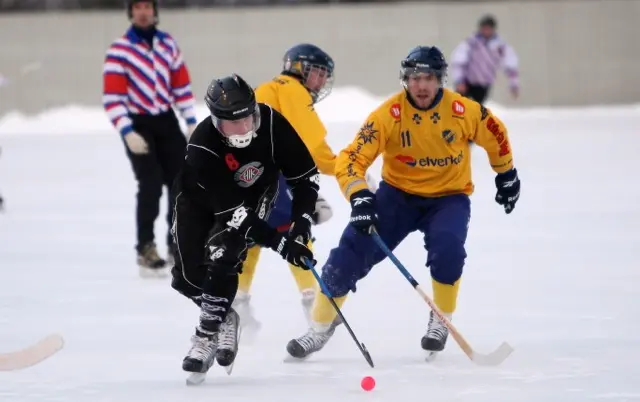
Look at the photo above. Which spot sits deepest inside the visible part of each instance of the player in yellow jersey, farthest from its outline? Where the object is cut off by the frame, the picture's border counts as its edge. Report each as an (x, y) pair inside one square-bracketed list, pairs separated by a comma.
[(306, 79), (423, 134)]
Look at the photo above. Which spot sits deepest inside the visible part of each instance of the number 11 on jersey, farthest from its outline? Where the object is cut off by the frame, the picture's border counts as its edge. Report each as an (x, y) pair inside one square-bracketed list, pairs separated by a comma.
[(405, 136)]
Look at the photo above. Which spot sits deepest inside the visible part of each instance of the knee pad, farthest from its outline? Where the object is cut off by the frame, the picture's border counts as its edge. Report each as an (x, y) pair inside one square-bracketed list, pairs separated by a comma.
[(446, 257)]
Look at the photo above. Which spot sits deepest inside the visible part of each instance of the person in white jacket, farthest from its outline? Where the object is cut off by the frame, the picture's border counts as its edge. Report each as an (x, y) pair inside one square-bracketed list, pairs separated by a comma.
[(477, 59)]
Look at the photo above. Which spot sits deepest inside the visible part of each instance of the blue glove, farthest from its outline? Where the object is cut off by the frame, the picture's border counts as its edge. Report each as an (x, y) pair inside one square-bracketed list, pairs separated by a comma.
[(508, 186), (363, 210)]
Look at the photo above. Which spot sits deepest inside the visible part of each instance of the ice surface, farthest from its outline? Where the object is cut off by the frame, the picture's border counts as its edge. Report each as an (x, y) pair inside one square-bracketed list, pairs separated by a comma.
[(557, 279)]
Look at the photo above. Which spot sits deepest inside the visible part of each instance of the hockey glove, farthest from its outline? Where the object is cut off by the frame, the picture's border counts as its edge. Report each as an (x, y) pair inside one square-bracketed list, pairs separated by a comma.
[(301, 228), (293, 250), (508, 186), (363, 210)]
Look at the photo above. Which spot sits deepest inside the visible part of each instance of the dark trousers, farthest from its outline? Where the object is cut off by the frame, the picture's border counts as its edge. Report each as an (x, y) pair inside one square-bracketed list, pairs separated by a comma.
[(209, 259), (478, 93), (156, 169), (442, 220)]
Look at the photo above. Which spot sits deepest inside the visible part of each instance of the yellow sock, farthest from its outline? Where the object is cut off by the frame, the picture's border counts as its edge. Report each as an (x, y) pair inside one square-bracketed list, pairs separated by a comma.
[(249, 269), (445, 296), (323, 312), (304, 278)]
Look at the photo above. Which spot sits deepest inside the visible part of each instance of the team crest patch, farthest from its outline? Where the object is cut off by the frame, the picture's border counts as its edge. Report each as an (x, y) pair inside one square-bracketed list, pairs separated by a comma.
[(449, 136), (248, 174)]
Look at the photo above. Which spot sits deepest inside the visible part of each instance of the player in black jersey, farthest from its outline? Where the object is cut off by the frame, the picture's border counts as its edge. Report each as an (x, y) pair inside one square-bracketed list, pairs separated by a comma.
[(225, 192)]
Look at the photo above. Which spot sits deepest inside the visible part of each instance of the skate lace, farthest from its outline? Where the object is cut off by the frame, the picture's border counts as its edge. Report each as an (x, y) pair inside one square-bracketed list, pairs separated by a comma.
[(436, 329), (202, 348), (227, 337), (312, 340)]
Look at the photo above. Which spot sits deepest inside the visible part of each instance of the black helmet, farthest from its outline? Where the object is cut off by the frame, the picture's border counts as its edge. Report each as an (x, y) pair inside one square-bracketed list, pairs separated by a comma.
[(234, 111), (300, 60), (129, 6), (423, 59)]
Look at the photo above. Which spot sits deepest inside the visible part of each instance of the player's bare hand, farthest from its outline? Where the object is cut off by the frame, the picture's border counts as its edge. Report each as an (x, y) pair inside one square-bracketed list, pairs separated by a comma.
[(136, 144)]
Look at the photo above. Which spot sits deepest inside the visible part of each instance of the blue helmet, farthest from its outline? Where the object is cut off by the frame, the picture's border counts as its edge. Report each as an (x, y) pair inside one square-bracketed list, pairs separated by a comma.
[(423, 59), (309, 63)]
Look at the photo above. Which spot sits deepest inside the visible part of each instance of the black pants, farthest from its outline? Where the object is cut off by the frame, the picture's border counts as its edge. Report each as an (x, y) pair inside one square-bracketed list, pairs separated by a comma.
[(478, 93), (156, 169), (209, 259)]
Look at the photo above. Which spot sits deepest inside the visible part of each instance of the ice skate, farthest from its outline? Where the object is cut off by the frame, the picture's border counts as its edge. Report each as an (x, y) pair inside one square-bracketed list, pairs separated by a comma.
[(313, 341), (436, 337), (248, 323), (228, 341), (200, 357), (150, 264)]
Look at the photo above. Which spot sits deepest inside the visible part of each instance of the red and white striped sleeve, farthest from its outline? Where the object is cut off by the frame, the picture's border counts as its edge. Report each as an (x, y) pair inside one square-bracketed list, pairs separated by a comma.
[(114, 92), (181, 87)]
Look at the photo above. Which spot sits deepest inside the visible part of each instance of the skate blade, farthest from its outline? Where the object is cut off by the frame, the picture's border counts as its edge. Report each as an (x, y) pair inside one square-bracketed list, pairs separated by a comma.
[(431, 356), (290, 359), (229, 368), (196, 378)]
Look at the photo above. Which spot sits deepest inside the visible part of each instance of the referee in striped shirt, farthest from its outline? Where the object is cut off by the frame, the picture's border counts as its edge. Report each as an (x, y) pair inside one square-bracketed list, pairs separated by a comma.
[(144, 77)]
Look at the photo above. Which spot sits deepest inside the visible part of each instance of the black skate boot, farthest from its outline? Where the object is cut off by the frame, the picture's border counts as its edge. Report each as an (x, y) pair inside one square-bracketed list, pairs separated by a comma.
[(228, 339), (313, 341), (202, 353), (436, 336)]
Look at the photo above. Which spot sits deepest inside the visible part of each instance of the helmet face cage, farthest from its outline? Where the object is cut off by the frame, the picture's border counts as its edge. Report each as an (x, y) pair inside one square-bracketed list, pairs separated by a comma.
[(313, 67), (318, 79), (238, 133), (234, 111), (407, 71)]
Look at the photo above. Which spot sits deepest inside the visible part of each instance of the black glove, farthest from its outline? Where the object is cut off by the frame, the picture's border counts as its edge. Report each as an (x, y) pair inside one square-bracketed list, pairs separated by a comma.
[(363, 210), (508, 186), (293, 250), (301, 227)]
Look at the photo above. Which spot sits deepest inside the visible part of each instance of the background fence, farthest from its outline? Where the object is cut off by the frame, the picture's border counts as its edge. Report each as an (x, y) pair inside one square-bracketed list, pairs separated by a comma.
[(571, 52)]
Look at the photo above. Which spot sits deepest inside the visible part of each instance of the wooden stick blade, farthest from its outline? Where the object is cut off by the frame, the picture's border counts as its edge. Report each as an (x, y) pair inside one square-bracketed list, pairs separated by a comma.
[(495, 358), (31, 355)]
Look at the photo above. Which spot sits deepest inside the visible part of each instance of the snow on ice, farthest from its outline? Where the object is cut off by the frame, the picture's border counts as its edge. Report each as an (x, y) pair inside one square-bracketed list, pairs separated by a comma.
[(557, 279)]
